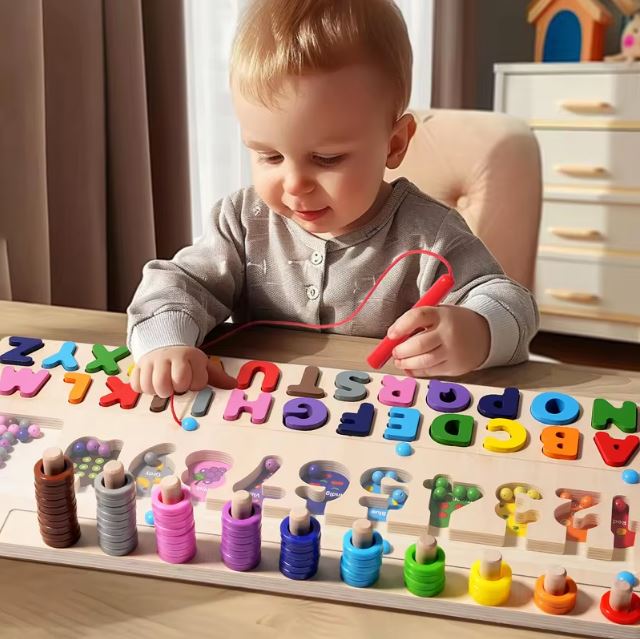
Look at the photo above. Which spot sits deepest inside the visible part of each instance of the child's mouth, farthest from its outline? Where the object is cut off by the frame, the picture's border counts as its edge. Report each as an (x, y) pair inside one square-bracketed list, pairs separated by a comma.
[(312, 216)]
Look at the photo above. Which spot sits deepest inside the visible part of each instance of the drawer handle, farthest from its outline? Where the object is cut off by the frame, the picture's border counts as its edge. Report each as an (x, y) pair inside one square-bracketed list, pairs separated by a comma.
[(573, 296), (589, 235), (579, 170), (586, 106)]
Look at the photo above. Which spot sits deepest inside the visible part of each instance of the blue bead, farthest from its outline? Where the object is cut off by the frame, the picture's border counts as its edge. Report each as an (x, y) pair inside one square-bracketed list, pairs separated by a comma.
[(148, 517), (376, 476), (386, 547), (627, 576), (391, 474), (630, 476), (404, 449), (23, 434), (314, 471), (188, 423), (79, 448), (399, 495)]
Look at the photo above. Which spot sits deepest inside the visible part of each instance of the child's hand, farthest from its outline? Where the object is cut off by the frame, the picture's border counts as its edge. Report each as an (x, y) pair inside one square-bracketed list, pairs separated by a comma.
[(455, 340), (177, 369)]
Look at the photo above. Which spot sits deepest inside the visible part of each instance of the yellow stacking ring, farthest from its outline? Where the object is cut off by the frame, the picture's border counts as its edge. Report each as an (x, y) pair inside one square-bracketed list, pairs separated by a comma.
[(490, 592)]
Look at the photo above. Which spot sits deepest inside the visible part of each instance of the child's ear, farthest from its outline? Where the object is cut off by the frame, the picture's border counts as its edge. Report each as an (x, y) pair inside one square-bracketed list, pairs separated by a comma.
[(401, 135)]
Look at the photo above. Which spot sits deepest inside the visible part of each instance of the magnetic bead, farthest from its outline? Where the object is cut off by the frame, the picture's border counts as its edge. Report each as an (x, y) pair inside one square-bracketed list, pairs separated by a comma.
[(79, 448), (151, 459), (93, 445), (34, 431), (630, 476)]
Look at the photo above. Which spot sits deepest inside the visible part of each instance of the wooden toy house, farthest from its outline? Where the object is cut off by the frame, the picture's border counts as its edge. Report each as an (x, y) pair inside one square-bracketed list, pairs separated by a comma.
[(568, 30)]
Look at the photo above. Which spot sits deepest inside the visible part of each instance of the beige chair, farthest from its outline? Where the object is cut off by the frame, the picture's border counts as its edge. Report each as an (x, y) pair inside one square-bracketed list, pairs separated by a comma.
[(487, 166)]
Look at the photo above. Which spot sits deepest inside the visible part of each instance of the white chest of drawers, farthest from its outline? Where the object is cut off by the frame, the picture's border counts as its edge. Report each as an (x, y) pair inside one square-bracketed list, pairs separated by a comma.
[(586, 117)]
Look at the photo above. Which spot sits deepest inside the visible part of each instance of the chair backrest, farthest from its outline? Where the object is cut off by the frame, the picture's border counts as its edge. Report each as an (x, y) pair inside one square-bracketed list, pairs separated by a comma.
[(487, 166)]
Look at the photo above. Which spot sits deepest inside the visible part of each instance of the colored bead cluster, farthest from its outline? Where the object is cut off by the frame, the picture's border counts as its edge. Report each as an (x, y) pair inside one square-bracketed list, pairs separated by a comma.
[(299, 554), (89, 456), (360, 567), (241, 539), (13, 430)]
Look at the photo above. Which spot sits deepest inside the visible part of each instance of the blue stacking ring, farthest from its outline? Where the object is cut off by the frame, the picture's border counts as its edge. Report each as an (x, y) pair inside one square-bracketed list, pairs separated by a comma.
[(299, 554), (360, 567)]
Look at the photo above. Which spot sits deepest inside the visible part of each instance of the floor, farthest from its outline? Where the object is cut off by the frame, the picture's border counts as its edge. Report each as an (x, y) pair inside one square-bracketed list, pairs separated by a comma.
[(587, 351)]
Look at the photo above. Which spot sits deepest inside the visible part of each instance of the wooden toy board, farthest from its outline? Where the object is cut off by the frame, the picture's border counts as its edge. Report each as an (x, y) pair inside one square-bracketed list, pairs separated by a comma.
[(240, 448)]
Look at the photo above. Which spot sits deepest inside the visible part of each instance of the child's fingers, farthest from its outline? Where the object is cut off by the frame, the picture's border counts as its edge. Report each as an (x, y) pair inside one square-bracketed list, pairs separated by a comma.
[(181, 374), (443, 369), (199, 373), (414, 319), (161, 378), (134, 379), (424, 361), (218, 377), (146, 381), (422, 342)]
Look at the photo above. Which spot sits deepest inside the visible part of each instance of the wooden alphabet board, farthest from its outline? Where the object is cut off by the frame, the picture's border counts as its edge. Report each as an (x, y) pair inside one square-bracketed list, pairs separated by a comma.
[(529, 473)]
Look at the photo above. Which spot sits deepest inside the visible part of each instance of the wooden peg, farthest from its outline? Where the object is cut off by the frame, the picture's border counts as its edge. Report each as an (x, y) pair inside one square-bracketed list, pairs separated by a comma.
[(299, 521), (317, 493), (362, 533), (555, 580), (113, 474), (241, 505), (171, 490), (52, 461), (620, 597), (426, 549), (491, 564)]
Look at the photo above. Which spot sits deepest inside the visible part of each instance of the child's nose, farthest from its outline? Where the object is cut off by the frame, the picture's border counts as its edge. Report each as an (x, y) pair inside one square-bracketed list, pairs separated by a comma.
[(296, 183)]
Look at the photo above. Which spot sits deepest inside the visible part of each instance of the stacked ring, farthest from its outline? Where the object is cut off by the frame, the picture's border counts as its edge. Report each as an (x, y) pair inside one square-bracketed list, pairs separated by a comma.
[(424, 580), (241, 539), (360, 567), (116, 516), (175, 527), (56, 506), (490, 592), (299, 554)]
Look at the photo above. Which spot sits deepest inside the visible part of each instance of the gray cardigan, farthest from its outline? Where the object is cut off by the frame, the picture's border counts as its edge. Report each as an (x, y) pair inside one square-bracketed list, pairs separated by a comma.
[(255, 264)]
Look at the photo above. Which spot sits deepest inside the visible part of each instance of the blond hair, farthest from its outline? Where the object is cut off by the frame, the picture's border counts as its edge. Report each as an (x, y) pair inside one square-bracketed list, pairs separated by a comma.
[(278, 39)]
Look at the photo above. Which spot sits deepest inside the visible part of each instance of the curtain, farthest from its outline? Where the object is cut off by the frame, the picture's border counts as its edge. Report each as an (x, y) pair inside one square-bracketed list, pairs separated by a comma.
[(453, 43), (219, 163), (94, 151)]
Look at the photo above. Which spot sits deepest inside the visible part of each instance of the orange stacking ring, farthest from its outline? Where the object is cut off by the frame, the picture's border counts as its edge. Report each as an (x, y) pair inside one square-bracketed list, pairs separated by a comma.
[(555, 604)]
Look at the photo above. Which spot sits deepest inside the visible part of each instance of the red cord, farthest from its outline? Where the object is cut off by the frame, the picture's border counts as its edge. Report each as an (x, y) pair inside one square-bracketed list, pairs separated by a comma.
[(320, 326)]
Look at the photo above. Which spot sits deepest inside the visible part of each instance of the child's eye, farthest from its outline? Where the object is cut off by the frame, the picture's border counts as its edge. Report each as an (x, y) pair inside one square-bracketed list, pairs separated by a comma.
[(328, 160), (269, 159)]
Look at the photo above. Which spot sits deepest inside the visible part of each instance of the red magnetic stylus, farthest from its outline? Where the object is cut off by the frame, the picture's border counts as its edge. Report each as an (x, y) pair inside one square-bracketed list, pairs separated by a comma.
[(382, 352)]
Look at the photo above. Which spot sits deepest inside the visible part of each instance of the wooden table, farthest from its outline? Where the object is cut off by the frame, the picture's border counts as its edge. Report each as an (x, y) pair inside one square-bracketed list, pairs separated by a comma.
[(38, 600)]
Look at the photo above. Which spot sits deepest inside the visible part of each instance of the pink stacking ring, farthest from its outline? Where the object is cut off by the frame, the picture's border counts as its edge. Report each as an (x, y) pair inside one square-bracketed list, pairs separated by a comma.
[(179, 509)]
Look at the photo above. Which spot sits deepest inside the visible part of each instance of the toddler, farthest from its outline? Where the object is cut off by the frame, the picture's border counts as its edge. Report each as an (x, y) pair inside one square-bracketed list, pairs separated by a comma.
[(320, 88)]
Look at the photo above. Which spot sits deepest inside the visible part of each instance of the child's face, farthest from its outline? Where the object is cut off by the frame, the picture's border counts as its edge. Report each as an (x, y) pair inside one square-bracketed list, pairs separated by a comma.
[(319, 157)]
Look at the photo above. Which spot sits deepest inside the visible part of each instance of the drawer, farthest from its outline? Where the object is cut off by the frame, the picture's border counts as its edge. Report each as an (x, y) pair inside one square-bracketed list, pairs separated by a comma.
[(572, 97), (595, 159), (589, 287), (596, 226)]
